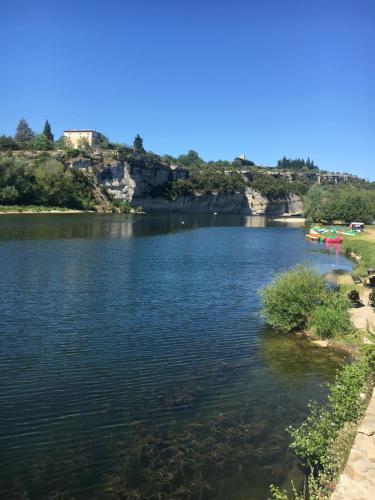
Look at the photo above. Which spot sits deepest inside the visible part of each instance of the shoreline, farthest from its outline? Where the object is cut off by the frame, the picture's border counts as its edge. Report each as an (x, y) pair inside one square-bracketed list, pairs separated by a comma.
[(296, 220), (351, 458), (33, 212)]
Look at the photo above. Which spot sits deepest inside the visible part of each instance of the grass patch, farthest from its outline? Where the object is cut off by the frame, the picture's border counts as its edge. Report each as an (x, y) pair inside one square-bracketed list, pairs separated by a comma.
[(363, 248)]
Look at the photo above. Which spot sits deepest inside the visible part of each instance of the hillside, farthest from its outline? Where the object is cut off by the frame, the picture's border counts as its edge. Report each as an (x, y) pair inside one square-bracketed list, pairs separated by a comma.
[(117, 179)]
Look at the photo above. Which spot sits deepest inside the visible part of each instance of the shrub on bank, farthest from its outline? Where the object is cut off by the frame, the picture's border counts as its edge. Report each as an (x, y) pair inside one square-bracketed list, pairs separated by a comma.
[(324, 439), (314, 438), (290, 299), (331, 319)]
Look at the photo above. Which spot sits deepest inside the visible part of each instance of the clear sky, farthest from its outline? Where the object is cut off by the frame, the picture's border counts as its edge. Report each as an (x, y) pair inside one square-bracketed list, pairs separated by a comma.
[(266, 78)]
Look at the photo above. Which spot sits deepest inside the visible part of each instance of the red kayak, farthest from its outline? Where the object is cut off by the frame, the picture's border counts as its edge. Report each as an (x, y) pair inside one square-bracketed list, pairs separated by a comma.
[(333, 240)]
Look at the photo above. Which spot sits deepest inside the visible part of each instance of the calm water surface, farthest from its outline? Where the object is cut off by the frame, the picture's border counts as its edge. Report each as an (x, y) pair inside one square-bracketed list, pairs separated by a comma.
[(134, 361)]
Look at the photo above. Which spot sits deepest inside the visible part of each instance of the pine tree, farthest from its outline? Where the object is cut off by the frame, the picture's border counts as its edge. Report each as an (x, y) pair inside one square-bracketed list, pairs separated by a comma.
[(23, 132), (138, 144), (47, 131)]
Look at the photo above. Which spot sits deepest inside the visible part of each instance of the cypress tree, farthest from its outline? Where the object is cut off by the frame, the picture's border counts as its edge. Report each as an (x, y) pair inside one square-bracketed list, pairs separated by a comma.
[(138, 144), (47, 131)]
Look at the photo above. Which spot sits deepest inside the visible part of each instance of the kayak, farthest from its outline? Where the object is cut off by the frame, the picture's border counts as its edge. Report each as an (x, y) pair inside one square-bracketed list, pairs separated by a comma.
[(338, 239)]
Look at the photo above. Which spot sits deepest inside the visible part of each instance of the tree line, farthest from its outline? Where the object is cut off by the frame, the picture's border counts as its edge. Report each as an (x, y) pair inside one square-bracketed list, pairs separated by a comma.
[(26, 139), (344, 203), (297, 164)]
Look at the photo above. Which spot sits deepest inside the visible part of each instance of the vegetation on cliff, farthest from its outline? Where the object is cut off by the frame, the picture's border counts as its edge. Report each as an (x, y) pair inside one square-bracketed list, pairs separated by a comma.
[(290, 176), (43, 181)]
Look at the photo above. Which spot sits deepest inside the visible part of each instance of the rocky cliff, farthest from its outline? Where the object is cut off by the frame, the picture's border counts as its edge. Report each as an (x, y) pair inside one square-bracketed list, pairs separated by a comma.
[(142, 183)]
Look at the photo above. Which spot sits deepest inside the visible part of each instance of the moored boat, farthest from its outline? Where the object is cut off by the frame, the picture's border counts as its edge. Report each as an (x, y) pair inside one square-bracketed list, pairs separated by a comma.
[(337, 239)]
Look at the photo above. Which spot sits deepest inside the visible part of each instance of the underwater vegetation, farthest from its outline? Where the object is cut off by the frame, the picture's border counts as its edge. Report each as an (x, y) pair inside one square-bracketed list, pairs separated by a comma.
[(187, 454)]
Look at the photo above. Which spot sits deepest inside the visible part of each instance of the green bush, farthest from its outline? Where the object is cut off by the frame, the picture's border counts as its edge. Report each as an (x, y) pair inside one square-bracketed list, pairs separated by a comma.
[(331, 318), (313, 439), (291, 298)]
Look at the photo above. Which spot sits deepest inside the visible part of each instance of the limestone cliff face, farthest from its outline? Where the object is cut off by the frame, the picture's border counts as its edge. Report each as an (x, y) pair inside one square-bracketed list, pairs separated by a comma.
[(145, 185), (260, 205)]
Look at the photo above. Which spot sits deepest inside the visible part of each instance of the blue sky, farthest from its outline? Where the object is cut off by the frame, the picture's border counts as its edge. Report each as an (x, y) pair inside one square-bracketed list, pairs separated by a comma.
[(267, 78)]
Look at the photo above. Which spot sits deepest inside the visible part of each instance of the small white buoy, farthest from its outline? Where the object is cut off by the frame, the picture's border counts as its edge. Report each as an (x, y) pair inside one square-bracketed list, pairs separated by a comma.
[(182, 222), (215, 213)]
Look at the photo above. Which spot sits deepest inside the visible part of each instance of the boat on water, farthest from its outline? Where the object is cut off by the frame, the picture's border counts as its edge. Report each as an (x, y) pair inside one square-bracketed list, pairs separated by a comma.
[(317, 234), (337, 239)]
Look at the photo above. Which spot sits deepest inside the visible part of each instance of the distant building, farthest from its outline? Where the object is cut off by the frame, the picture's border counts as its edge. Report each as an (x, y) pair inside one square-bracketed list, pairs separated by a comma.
[(242, 156), (75, 137)]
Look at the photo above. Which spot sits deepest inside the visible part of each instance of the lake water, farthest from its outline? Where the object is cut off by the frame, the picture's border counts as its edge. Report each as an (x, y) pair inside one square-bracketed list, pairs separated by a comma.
[(135, 363)]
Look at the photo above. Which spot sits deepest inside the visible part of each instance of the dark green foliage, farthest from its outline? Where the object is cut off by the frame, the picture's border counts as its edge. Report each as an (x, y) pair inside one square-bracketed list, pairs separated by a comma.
[(24, 134), (298, 164), (124, 154), (138, 144), (271, 187), (206, 181), (191, 159), (371, 299), (40, 142), (43, 182), (168, 160), (121, 206), (291, 298), (104, 142), (47, 131), (344, 203), (7, 143)]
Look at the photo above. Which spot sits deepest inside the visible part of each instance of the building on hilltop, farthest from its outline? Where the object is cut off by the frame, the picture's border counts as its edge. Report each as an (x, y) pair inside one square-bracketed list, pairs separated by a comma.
[(76, 136)]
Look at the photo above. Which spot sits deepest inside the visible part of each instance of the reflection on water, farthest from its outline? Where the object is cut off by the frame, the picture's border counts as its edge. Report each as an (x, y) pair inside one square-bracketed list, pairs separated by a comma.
[(135, 363), (118, 226)]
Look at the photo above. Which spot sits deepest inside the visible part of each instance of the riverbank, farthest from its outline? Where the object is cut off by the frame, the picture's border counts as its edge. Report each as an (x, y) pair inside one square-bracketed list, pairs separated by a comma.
[(324, 440), (36, 209), (293, 220), (357, 482)]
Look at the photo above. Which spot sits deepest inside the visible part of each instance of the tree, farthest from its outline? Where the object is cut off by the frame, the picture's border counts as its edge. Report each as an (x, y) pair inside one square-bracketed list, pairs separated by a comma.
[(7, 143), (103, 142), (318, 204), (41, 142), (47, 131), (138, 144), (192, 158), (23, 132)]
